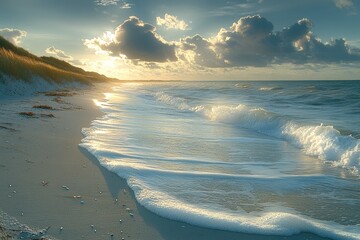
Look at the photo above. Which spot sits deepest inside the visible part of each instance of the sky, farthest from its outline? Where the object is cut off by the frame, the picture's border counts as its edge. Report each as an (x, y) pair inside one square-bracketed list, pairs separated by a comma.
[(192, 39)]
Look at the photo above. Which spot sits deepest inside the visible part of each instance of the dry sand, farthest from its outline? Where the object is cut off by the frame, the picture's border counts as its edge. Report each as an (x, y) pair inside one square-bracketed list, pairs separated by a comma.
[(40, 159)]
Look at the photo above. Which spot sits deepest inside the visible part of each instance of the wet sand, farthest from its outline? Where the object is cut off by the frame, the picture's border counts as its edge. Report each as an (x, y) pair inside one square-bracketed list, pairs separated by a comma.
[(47, 180)]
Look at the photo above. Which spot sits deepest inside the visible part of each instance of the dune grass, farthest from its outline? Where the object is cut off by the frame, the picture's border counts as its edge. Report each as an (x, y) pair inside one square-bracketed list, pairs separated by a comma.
[(25, 68), (18, 63)]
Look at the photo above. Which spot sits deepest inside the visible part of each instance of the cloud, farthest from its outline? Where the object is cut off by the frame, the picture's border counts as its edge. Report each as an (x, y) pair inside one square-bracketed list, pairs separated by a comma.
[(123, 4), (235, 9), (136, 40), (58, 53), (106, 2), (13, 35), (344, 3), (199, 50), (171, 22), (251, 41), (126, 6)]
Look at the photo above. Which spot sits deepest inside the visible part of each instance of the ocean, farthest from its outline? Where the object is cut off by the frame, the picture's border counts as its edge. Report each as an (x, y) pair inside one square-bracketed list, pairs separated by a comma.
[(274, 158)]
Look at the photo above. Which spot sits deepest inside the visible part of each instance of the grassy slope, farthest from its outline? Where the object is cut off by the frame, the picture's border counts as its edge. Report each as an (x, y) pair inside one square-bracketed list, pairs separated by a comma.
[(18, 63)]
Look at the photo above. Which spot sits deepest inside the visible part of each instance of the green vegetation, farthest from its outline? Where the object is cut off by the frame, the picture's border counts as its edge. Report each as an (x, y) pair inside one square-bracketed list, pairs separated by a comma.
[(19, 64)]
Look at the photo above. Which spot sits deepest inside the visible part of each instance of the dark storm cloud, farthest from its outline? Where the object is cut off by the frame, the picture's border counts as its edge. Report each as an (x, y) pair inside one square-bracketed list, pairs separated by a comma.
[(136, 40), (251, 41)]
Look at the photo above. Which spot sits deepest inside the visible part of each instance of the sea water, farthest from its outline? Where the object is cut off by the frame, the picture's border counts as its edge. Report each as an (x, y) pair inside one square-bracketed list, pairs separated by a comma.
[(273, 158)]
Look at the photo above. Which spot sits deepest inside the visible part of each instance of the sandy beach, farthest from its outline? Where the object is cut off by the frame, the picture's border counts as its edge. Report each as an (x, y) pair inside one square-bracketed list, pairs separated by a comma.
[(47, 180), (179, 120)]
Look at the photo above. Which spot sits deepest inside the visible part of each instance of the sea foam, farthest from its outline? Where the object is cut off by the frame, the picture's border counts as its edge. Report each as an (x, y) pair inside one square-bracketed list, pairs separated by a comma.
[(324, 142), (140, 139), (145, 182)]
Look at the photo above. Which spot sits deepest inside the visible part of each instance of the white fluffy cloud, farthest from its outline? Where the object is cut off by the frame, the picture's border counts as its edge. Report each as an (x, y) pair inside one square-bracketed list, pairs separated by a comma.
[(106, 2), (251, 41), (126, 5), (136, 40), (13, 35), (122, 3), (58, 53), (344, 3), (171, 22)]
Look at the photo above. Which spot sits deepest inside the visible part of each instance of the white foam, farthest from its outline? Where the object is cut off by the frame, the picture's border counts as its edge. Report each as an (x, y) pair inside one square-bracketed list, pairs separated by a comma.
[(268, 223), (145, 183), (187, 194), (180, 103), (324, 142), (270, 88)]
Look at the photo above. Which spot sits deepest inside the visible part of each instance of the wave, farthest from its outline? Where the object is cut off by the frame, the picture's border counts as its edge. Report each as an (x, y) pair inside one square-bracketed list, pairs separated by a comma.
[(324, 142), (270, 88), (244, 85), (273, 220), (200, 197), (267, 223)]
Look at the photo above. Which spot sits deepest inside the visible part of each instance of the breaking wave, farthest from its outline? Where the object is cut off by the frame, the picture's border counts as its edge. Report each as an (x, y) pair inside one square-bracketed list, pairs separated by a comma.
[(322, 141), (186, 159)]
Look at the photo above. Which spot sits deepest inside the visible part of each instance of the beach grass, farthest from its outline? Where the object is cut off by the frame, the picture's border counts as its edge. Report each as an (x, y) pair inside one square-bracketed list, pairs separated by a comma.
[(25, 68), (20, 64)]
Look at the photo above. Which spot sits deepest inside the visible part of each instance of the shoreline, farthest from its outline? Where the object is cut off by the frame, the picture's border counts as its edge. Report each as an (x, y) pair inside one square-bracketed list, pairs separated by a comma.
[(42, 160)]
